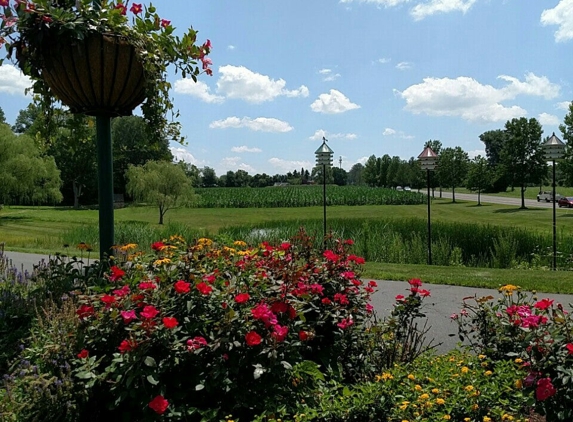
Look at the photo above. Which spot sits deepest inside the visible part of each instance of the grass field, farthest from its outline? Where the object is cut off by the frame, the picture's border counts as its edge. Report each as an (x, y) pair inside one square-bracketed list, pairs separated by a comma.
[(39, 229)]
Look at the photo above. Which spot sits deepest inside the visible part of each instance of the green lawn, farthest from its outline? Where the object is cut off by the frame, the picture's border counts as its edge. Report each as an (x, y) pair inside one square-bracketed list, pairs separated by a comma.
[(37, 229), (530, 193)]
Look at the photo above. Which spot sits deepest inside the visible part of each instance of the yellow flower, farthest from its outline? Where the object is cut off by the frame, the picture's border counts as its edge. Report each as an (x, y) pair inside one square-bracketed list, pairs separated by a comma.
[(465, 370), (486, 419), (518, 384), (508, 289), (385, 376), (488, 373), (435, 391), (162, 261), (447, 417), (404, 405), (239, 243), (518, 360), (484, 364), (204, 241), (424, 396), (469, 388), (405, 420), (506, 417), (481, 356), (411, 377), (440, 401), (418, 387), (475, 407), (467, 419)]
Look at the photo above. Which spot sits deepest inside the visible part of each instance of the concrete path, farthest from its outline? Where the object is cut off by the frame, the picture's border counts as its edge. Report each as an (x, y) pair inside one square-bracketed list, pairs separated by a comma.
[(443, 302)]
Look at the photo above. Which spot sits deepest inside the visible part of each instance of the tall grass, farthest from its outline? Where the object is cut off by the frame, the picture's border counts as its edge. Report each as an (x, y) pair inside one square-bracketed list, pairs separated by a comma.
[(392, 240)]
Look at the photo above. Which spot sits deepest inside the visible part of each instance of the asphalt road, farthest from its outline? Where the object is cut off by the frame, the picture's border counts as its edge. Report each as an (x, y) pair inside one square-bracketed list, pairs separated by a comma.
[(530, 203), (443, 302)]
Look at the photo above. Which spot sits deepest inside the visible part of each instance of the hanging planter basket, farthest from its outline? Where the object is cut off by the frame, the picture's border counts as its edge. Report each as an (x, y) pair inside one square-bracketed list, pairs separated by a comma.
[(102, 76)]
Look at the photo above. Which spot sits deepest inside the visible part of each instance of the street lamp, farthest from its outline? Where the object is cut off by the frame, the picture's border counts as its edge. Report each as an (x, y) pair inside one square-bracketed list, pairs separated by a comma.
[(324, 158), (428, 161), (554, 149)]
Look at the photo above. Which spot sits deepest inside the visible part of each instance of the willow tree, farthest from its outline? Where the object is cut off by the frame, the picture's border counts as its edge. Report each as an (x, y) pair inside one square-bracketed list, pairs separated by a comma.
[(160, 183)]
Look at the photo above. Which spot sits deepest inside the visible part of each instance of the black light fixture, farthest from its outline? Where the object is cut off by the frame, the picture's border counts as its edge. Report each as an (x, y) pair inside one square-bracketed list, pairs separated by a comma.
[(324, 158), (428, 161), (554, 150)]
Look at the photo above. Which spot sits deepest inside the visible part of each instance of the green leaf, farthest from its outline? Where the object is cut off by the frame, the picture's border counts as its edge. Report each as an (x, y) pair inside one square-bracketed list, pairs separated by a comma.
[(149, 361), (152, 380), (199, 387)]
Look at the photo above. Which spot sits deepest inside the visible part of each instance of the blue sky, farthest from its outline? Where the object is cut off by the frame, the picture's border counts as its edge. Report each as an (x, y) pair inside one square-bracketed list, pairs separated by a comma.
[(372, 76)]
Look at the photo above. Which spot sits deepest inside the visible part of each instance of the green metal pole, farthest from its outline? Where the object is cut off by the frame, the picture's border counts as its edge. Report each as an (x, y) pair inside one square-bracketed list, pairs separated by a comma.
[(105, 185)]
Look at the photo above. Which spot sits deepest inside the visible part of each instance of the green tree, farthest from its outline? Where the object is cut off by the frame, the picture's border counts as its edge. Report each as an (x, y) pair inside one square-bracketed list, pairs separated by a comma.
[(479, 176), (494, 141), (26, 176), (522, 153), (452, 168), (208, 177), (566, 166), (2, 116), (370, 173), (74, 151), (355, 175), (340, 176), (133, 145), (160, 183)]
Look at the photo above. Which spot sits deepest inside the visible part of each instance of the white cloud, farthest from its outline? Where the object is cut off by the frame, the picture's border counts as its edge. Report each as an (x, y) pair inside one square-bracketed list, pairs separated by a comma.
[(385, 3), (286, 165), (397, 133), (181, 154), (422, 10), (13, 81), (328, 75), (404, 66), (332, 103), (548, 119), (261, 124), (234, 164), (467, 98), (384, 60), (319, 134), (245, 148), (197, 89), (563, 105), (362, 160), (230, 47), (561, 15), (473, 154), (241, 83)]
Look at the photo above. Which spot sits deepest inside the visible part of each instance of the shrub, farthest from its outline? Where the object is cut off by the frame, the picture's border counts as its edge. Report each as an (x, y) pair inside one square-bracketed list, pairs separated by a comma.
[(537, 333)]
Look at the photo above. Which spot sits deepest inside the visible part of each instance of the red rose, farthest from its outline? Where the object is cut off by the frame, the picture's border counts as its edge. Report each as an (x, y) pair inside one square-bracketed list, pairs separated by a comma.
[(149, 312), (158, 246), (127, 346), (147, 285), (159, 405), (196, 343), (182, 287), (543, 304), (83, 354), (170, 322), (415, 282), (204, 288), (85, 311), (116, 273), (569, 347), (303, 335), (544, 389), (253, 338), (242, 297)]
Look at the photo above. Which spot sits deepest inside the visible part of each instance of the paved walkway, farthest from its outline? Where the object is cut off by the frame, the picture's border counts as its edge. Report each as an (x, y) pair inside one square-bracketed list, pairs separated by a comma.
[(444, 301)]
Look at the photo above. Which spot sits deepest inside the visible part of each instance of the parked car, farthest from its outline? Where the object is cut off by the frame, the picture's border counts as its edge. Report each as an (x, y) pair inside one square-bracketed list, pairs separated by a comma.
[(566, 202), (407, 188), (547, 196), (400, 188)]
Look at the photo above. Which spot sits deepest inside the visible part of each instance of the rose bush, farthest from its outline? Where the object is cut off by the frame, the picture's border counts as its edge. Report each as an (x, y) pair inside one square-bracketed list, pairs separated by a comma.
[(538, 333)]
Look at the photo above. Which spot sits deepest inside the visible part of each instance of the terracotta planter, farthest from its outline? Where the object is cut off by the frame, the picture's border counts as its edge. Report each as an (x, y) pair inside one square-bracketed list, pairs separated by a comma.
[(103, 76)]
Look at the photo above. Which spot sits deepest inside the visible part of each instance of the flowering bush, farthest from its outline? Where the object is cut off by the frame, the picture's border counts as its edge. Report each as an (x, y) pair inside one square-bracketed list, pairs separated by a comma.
[(206, 330), (537, 333), (28, 28)]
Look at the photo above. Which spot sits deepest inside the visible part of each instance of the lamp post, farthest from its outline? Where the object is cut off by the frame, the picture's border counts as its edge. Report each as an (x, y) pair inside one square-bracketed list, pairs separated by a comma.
[(554, 149), (324, 158), (428, 161)]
